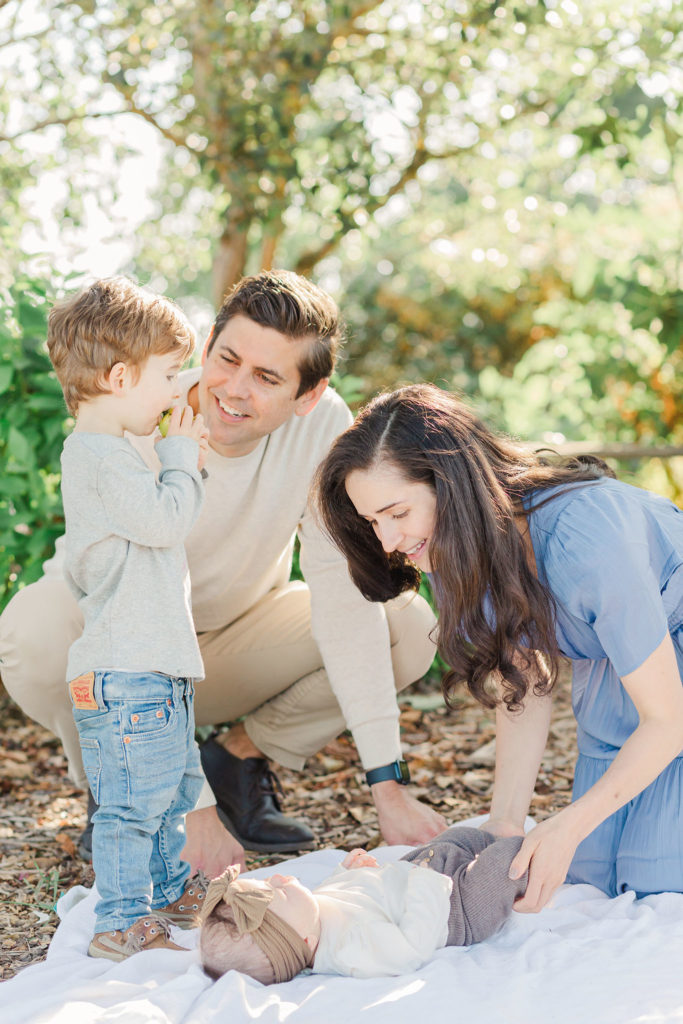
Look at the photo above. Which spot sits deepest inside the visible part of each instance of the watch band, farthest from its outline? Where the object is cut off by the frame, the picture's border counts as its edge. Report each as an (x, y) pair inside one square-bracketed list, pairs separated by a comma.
[(397, 771)]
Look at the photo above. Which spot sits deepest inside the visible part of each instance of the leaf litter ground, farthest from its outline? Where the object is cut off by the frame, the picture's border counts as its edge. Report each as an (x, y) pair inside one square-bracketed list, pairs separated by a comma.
[(450, 753)]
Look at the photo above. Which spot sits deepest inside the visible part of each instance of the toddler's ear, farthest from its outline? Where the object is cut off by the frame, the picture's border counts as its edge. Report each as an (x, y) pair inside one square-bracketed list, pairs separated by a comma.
[(117, 377)]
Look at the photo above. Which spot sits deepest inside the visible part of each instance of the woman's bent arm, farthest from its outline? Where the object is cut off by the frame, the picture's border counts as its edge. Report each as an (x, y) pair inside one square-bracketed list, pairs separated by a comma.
[(655, 689), (520, 741)]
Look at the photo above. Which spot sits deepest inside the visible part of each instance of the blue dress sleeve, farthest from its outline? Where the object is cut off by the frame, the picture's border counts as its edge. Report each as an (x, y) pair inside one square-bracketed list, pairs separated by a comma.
[(597, 566)]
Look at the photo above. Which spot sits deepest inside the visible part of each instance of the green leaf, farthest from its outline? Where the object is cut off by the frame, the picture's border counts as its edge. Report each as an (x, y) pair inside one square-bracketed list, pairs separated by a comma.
[(46, 403), (31, 319), (6, 373), (19, 448)]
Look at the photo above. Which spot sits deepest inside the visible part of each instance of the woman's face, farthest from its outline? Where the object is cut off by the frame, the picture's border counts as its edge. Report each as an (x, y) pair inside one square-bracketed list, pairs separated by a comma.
[(401, 512)]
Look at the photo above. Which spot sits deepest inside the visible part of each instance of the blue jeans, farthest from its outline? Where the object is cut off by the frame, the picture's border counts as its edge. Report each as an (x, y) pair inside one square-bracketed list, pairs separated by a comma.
[(144, 771)]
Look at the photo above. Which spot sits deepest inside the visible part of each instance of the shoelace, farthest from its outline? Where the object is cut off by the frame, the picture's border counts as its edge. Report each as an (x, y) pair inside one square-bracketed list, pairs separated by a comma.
[(270, 785), (135, 942), (200, 880), (199, 884)]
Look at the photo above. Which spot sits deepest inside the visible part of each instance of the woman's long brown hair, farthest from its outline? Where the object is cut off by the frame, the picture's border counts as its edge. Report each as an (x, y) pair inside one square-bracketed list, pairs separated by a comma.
[(494, 613)]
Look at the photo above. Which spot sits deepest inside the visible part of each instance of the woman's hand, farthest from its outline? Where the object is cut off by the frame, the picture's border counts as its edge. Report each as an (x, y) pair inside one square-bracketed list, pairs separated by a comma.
[(546, 852)]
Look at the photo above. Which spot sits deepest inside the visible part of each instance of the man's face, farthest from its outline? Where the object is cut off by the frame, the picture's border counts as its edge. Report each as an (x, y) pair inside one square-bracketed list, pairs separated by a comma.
[(248, 386)]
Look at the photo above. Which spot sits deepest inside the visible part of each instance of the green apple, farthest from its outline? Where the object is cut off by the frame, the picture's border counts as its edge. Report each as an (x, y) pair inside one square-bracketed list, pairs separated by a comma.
[(164, 422)]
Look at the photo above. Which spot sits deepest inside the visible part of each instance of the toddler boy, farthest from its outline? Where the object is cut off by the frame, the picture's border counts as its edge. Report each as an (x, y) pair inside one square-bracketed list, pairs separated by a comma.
[(117, 350), (364, 921)]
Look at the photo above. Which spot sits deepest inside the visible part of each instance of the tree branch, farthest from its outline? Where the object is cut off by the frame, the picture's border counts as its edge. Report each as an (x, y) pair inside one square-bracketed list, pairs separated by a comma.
[(306, 262), (420, 156), (133, 108), (12, 40), (345, 26), (49, 122), (167, 133)]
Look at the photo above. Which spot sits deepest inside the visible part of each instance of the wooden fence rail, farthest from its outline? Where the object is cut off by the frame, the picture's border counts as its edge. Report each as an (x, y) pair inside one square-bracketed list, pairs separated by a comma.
[(609, 450)]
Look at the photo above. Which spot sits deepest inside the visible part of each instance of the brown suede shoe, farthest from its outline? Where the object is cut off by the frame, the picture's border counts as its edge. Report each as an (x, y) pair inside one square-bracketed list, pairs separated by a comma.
[(148, 933), (185, 912)]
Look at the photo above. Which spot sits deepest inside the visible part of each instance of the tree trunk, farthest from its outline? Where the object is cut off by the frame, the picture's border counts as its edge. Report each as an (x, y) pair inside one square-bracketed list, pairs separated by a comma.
[(268, 251), (229, 262)]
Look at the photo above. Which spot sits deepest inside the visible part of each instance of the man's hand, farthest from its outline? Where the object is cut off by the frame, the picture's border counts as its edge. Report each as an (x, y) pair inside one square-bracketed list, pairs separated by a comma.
[(403, 820), (208, 845), (359, 859)]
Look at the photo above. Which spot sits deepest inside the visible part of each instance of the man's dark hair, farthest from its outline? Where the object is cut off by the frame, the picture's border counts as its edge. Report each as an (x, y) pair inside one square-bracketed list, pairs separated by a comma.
[(295, 307)]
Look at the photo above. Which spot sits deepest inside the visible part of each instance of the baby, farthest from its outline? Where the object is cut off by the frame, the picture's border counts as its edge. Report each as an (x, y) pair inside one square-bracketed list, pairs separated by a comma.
[(364, 920)]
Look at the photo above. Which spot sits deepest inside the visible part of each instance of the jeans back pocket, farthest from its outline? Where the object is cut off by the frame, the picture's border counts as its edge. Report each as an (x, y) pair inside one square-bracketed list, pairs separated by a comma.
[(92, 763)]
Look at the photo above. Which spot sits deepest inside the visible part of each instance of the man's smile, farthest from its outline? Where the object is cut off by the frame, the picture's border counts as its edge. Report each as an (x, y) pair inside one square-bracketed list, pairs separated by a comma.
[(230, 410)]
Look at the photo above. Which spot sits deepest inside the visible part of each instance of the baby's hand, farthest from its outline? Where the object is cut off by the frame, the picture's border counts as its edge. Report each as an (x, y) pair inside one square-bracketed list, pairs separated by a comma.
[(359, 859)]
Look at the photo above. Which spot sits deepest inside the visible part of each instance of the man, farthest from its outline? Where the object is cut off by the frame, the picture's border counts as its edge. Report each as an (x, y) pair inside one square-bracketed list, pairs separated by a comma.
[(289, 664)]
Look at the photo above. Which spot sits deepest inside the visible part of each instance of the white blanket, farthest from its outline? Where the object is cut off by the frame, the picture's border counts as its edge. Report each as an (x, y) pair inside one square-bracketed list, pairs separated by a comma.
[(585, 959)]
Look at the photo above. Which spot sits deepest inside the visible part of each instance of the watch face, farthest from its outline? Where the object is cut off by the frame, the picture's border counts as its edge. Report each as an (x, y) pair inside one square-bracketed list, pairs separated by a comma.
[(403, 770)]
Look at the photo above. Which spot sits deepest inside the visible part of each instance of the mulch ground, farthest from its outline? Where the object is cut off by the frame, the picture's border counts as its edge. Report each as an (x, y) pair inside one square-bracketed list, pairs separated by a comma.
[(42, 814)]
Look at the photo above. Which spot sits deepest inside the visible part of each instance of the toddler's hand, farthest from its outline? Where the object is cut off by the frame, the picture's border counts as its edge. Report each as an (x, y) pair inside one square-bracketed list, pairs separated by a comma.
[(203, 449), (201, 435), (182, 422), (359, 859)]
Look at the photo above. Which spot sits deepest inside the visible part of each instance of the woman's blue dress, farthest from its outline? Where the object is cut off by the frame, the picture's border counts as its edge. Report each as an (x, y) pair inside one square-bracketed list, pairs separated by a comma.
[(612, 556)]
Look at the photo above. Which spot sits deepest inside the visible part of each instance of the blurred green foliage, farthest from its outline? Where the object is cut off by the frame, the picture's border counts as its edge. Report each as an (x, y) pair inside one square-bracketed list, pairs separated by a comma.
[(33, 424), (493, 193)]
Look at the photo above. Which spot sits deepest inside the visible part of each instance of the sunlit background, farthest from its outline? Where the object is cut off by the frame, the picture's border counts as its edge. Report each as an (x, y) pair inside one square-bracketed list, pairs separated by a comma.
[(494, 195)]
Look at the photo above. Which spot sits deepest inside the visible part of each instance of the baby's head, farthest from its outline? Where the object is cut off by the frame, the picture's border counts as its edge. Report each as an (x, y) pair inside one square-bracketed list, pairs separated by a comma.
[(266, 928), (110, 322)]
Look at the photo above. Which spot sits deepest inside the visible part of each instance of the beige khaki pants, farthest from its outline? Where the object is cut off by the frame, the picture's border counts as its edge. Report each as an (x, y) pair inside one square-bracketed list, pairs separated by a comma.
[(264, 666)]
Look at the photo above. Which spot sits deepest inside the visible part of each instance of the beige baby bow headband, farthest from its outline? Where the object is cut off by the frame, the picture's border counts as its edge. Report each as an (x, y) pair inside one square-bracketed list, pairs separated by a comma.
[(284, 947)]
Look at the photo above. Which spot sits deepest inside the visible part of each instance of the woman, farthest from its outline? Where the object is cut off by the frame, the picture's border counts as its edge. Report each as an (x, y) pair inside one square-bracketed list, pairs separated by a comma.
[(531, 560)]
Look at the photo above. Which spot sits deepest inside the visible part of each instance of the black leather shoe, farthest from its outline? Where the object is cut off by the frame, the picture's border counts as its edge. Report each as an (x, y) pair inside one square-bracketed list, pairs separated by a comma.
[(84, 844), (247, 802)]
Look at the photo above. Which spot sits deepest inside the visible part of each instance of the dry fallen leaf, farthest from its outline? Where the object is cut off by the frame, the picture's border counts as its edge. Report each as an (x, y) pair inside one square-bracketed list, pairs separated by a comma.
[(66, 843), (485, 755)]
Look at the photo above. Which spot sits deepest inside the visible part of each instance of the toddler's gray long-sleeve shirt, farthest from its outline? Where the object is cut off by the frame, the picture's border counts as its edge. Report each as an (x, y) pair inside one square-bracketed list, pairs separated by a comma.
[(125, 556)]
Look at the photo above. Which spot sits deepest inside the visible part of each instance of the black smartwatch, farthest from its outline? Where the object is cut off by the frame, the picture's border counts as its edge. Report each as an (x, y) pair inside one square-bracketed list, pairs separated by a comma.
[(397, 771)]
